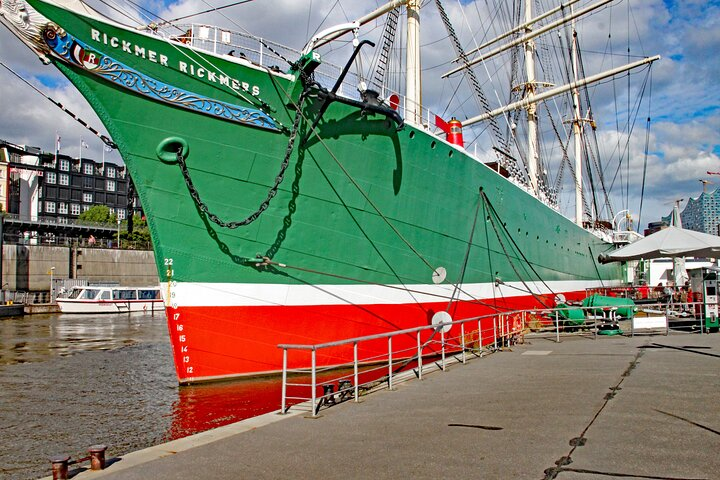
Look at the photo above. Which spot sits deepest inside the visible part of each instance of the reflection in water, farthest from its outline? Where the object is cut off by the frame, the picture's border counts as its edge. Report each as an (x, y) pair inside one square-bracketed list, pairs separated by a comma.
[(201, 407), (71, 381), (37, 338)]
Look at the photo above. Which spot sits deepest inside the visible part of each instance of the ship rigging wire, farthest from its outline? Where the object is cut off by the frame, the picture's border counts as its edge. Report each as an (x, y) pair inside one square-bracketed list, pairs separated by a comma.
[(122, 12), (105, 139), (210, 10), (645, 157), (370, 202), (495, 214)]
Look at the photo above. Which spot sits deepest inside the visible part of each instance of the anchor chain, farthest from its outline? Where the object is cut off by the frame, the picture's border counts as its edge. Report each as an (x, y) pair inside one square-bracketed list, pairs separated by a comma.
[(271, 193)]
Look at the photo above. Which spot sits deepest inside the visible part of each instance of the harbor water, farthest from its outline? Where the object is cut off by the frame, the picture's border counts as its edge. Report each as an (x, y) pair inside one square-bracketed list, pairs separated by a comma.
[(72, 381)]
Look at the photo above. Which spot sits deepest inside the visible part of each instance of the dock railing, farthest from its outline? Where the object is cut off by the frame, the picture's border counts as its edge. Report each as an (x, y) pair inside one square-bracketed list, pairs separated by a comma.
[(431, 345)]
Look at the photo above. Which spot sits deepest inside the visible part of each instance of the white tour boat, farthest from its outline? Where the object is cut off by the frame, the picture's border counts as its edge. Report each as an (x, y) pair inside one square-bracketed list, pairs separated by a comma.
[(109, 299)]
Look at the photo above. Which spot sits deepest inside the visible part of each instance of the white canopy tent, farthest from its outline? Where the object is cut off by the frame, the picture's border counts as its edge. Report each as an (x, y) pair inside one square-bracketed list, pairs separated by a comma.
[(669, 242)]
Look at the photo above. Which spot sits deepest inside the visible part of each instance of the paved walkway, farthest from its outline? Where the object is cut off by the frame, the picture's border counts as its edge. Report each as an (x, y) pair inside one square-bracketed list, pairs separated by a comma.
[(616, 407)]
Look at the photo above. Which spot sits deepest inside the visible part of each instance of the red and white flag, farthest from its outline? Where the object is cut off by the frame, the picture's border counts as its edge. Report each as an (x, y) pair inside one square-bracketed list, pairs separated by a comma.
[(442, 124)]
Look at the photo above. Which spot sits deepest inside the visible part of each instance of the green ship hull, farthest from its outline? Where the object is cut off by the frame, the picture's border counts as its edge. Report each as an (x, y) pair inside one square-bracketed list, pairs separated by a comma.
[(350, 229)]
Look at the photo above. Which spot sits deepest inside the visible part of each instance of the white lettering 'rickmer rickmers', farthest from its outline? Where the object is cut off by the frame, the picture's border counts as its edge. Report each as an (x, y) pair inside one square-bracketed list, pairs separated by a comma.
[(184, 67)]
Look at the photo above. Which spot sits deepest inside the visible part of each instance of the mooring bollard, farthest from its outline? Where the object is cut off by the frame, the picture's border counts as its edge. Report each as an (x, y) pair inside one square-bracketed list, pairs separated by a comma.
[(97, 457), (60, 467)]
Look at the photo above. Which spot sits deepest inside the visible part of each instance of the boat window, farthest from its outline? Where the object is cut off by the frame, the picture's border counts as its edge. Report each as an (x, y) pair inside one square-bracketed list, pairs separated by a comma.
[(89, 294), (75, 293), (105, 295), (124, 294), (148, 294)]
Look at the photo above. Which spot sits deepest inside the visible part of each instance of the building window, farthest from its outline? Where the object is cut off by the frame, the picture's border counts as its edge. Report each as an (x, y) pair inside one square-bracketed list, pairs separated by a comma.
[(85, 208), (75, 209), (87, 197), (111, 172), (62, 220), (65, 165), (111, 210), (64, 179), (50, 177), (88, 169), (50, 207), (87, 182), (121, 213), (63, 208), (110, 186)]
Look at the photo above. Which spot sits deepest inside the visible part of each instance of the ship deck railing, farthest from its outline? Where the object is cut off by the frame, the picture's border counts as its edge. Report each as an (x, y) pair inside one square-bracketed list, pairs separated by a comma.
[(314, 386)]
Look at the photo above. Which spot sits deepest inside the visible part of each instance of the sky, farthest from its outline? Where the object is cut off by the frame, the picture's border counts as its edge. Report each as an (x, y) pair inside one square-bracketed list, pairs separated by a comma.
[(681, 95)]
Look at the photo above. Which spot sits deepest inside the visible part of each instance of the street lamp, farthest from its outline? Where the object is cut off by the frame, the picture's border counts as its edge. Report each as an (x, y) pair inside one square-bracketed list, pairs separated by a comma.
[(118, 220), (52, 287)]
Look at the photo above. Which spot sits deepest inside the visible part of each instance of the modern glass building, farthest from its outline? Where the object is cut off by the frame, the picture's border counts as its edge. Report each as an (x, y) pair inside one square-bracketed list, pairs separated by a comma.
[(702, 214)]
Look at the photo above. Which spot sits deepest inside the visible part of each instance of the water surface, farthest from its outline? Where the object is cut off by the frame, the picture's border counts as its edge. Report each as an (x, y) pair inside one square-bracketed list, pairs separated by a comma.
[(72, 381)]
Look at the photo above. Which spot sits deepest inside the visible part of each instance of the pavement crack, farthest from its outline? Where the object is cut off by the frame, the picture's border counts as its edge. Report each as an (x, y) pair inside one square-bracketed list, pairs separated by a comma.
[(624, 475), (578, 442), (552, 472), (688, 421), (685, 349), (482, 427)]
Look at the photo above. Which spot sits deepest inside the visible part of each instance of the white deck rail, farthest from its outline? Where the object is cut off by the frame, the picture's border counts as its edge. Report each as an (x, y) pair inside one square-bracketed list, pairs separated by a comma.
[(507, 328)]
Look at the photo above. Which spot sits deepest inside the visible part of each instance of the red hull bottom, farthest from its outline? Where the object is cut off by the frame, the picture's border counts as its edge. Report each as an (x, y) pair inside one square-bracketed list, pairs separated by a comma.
[(211, 343)]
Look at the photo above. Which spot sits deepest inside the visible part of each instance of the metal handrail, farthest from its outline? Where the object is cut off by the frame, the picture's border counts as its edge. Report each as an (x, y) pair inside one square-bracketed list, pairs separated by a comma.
[(505, 332), (505, 326), (54, 221)]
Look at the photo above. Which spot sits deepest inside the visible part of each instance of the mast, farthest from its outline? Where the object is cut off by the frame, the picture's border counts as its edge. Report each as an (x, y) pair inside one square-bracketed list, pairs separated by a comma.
[(577, 131), (532, 155), (561, 89), (413, 93), (517, 29), (527, 36)]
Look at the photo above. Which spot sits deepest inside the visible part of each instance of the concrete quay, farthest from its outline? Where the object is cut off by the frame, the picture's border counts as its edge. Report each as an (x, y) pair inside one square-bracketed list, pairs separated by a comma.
[(616, 407)]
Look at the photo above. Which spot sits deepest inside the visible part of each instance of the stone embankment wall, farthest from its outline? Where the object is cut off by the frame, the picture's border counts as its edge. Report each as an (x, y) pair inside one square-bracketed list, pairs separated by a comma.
[(27, 268)]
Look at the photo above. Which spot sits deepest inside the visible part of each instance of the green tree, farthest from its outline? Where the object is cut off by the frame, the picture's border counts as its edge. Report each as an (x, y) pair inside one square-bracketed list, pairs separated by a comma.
[(140, 236), (97, 214)]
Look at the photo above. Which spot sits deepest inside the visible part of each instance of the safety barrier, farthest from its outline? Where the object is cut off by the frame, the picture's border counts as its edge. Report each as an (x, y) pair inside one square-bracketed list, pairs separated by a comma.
[(331, 383)]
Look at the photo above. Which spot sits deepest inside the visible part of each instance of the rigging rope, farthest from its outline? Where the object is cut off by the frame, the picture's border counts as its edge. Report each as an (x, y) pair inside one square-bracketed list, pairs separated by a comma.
[(467, 255), (106, 140), (210, 10), (645, 158), (517, 248), (477, 89), (382, 61)]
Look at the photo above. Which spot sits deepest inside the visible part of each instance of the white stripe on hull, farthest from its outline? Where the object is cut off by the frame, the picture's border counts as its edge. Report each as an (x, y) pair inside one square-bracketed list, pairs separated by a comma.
[(190, 294)]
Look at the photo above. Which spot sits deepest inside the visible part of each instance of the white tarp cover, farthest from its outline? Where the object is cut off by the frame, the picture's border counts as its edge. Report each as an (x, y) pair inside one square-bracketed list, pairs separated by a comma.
[(668, 242)]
